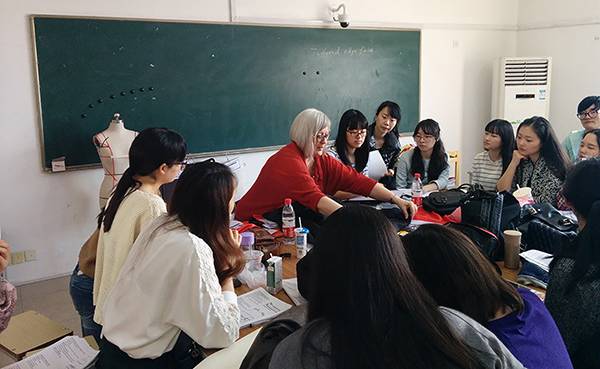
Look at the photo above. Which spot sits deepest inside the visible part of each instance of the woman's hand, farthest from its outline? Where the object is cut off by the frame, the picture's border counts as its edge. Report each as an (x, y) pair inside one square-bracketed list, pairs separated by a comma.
[(235, 236), (390, 173), (4, 255), (408, 208), (517, 157)]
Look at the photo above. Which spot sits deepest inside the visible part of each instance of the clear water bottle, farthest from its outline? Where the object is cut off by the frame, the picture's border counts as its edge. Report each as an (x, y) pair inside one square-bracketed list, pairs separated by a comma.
[(417, 190), (288, 220)]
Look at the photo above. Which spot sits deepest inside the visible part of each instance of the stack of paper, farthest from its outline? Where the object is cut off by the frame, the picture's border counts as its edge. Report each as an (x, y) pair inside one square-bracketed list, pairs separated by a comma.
[(538, 258), (71, 352), (290, 286), (258, 306)]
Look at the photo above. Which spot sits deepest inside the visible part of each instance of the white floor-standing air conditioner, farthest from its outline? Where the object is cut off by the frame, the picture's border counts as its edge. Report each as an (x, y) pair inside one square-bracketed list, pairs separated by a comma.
[(521, 88)]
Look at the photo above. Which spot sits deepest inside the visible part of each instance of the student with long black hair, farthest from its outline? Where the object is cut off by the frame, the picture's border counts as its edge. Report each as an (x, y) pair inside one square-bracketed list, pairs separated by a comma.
[(175, 291), (457, 275), (383, 136), (538, 162), (349, 146), (428, 158), (156, 157), (367, 310), (499, 144), (573, 295)]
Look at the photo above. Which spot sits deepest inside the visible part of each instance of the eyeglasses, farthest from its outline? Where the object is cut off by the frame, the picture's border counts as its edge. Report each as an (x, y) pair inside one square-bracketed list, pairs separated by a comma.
[(182, 164), (322, 136), (419, 137), (590, 114), (357, 132)]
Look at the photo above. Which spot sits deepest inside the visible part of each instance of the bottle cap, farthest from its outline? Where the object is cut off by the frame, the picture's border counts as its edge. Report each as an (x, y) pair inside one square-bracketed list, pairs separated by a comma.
[(247, 238), (287, 201)]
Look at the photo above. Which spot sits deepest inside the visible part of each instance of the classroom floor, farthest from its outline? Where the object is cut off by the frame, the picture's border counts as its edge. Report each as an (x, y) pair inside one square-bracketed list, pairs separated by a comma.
[(50, 298)]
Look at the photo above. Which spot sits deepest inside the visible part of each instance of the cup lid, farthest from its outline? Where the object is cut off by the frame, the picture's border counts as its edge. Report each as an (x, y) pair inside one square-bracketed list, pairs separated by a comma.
[(301, 230), (247, 237)]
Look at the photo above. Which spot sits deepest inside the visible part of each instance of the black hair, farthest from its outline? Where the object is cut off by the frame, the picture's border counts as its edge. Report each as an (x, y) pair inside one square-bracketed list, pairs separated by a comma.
[(352, 119), (457, 274), (505, 130), (587, 102), (395, 112), (201, 202), (438, 161), (550, 150), (378, 314), (581, 192), (152, 148)]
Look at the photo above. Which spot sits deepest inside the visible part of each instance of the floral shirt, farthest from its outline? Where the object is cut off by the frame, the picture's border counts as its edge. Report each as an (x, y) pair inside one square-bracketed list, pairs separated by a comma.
[(545, 185)]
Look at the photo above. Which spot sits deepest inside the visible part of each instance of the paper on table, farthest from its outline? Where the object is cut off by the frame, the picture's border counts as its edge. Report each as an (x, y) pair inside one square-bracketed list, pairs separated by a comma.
[(258, 306), (290, 286), (71, 352), (376, 165), (538, 258)]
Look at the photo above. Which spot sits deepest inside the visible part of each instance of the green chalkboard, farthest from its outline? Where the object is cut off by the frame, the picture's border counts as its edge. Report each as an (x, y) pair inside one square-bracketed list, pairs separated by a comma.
[(224, 87)]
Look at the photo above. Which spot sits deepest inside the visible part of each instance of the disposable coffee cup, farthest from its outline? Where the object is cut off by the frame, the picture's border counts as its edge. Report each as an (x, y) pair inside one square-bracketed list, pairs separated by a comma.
[(512, 246), (524, 196)]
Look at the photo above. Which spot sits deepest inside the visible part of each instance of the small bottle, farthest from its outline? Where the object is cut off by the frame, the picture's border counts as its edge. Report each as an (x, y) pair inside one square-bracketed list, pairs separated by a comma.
[(247, 241), (417, 190), (288, 220)]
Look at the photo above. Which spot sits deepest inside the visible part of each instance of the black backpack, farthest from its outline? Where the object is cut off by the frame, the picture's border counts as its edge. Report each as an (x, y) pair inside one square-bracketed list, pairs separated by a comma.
[(485, 240)]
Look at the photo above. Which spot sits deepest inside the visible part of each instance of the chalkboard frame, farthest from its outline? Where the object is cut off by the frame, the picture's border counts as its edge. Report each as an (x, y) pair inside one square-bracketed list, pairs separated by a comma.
[(192, 156)]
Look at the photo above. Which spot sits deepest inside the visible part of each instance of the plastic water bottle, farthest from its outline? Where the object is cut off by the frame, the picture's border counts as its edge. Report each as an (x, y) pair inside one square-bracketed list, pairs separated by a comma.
[(288, 220), (417, 190)]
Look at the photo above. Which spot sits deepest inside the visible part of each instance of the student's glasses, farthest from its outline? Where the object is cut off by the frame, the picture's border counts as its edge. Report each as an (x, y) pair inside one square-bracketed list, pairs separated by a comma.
[(425, 138), (590, 114), (182, 164), (357, 132)]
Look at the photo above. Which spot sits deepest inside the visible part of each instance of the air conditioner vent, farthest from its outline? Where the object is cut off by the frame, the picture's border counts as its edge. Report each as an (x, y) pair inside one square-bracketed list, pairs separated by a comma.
[(524, 72)]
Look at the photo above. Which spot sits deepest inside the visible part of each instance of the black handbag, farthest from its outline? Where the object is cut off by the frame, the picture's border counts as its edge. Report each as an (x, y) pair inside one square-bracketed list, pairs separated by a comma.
[(544, 228), (483, 209), (445, 202), (547, 214)]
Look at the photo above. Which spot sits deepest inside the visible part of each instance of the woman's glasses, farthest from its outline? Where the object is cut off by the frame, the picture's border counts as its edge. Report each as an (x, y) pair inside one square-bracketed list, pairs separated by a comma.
[(322, 136), (419, 137), (357, 132)]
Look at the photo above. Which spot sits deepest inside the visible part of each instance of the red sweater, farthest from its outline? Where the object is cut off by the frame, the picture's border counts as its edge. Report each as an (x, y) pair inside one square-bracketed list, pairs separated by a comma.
[(285, 174)]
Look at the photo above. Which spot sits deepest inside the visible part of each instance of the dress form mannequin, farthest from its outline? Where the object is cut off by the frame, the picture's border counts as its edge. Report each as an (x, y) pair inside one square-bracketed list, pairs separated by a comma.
[(113, 148)]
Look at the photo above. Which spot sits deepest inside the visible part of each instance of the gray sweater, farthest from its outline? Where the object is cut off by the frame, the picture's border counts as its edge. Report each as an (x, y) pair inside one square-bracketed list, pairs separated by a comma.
[(488, 349), (576, 313), (404, 178)]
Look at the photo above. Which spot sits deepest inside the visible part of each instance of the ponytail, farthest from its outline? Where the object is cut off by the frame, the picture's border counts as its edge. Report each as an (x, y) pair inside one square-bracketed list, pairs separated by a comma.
[(126, 183), (587, 247)]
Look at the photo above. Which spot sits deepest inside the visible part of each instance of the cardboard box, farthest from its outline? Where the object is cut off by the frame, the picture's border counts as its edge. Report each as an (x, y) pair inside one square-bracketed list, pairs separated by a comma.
[(30, 331)]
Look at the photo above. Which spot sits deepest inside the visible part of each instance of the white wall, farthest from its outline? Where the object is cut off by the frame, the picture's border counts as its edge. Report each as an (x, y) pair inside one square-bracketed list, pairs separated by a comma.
[(569, 32), (54, 213)]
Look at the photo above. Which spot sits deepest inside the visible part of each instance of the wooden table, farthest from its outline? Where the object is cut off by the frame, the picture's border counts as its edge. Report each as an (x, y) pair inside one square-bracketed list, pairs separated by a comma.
[(289, 271)]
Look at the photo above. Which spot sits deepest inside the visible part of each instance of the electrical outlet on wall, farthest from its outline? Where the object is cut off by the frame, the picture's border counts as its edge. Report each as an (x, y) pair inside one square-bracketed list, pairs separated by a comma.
[(30, 255)]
